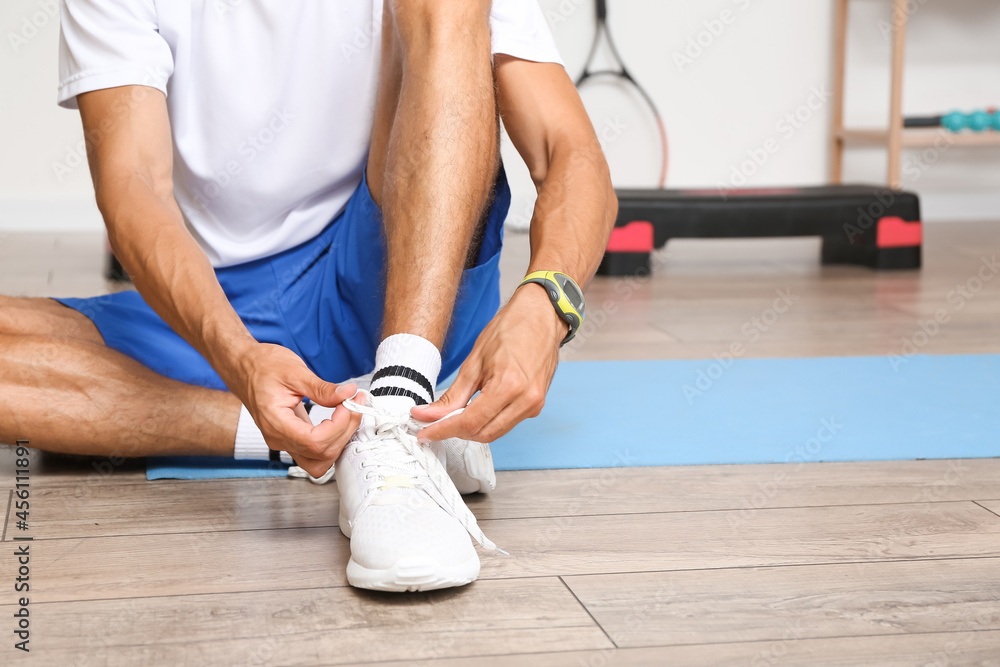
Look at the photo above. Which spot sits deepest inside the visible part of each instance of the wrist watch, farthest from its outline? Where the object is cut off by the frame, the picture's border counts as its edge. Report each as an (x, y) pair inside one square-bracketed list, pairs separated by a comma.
[(565, 295)]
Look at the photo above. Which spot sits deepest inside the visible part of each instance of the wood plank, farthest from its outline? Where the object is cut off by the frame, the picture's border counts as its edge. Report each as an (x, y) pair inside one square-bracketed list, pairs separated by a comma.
[(181, 506), (991, 505), (52, 470), (246, 560), (703, 540), (188, 564), (190, 506), (886, 328), (923, 650), (784, 603), (310, 627), (874, 345), (622, 490)]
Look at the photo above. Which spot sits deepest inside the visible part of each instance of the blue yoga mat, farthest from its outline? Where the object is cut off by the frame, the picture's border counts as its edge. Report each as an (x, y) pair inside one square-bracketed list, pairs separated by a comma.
[(641, 413)]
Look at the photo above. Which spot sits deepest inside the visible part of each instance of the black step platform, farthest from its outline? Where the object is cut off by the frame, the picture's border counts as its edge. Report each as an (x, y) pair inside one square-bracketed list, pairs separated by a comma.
[(859, 224)]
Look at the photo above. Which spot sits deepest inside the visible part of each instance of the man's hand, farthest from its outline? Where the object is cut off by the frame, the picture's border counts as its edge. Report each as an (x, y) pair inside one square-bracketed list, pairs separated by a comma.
[(131, 153), (275, 382), (515, 357), (511, 365)]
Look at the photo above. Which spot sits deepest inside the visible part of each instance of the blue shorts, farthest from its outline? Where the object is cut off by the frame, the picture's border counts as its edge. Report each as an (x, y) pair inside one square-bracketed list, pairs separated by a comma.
[(323, 300)]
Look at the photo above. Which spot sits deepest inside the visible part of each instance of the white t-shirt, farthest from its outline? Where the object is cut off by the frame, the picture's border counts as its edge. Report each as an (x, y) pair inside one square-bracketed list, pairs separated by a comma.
[(271, 102)]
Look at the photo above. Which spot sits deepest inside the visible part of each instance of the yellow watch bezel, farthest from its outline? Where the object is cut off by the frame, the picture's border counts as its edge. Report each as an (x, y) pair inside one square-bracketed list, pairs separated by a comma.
[(564, 307)]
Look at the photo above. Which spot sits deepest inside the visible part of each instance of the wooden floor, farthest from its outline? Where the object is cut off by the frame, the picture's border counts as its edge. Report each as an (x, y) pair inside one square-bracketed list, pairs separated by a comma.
[(892, 563)]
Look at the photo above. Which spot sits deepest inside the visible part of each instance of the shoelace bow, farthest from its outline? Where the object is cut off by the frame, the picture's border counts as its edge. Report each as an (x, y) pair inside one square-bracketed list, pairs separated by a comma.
[(429, 475)]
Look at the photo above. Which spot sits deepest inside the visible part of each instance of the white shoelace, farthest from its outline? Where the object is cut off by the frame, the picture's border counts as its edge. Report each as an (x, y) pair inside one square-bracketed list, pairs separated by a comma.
[(415, 461), (300, 473)]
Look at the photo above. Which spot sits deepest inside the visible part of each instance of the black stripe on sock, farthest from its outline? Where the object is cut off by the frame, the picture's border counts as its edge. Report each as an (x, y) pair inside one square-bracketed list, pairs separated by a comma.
[(274, 455), (398, 391), (405, 372)]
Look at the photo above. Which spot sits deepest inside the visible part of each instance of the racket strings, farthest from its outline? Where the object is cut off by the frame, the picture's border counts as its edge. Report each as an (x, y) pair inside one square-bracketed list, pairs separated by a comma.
[(623, 73)]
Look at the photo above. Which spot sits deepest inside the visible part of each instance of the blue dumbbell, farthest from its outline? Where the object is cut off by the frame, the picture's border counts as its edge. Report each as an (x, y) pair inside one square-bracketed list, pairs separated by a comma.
[(954, 121), (995, 120), (979, 121)]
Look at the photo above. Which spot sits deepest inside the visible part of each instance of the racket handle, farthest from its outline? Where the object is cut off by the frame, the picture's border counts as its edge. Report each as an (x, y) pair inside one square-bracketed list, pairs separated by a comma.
[(602, 10)]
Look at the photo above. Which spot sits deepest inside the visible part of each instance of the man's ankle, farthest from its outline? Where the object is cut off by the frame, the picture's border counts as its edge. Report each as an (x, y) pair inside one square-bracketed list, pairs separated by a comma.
[(406, 371)]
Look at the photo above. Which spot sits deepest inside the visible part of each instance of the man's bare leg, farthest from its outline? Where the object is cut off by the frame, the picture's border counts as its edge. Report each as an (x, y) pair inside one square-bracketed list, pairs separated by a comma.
[(433, 156), (65, 391)]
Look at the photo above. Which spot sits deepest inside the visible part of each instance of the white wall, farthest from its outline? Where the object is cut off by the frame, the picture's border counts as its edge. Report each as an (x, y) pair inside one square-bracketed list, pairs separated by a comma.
[(37, 135), (764, 65), (728, 101)]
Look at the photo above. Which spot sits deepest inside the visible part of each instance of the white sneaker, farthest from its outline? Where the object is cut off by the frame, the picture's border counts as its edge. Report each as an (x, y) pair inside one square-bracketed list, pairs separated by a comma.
[(470, 465), (408, 525)]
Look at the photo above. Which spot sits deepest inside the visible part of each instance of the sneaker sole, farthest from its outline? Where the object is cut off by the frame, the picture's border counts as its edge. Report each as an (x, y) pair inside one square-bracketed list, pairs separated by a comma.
[(413, 574), (409, 574)]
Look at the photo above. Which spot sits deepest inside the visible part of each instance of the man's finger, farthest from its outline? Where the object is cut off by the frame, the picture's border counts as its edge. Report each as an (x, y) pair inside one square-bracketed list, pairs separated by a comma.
[(501, 425), (315, 467), (326, 393), (301, 413), (338, 431), (456, 396), (488, 404), (290, 427)]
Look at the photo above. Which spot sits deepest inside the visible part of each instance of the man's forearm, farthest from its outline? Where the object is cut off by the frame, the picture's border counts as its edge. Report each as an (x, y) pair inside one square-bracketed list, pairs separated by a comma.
[(173, 274), (574, 213), (130, 153)]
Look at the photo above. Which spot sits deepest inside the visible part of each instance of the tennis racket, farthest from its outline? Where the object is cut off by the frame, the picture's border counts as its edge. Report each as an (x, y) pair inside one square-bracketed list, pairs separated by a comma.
[(623, 74)]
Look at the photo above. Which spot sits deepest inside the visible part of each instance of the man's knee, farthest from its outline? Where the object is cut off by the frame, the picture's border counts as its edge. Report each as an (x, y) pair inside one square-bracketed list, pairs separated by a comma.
[(21, 316), (428, 23)]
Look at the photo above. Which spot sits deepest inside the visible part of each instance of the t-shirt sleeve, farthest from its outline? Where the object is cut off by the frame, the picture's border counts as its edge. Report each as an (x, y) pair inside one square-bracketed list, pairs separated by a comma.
[(110, 43), (520, 30)]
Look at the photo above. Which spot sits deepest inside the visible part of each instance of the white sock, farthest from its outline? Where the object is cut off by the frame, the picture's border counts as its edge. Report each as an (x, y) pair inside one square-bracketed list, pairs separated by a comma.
[(250, 442), (406, 371)]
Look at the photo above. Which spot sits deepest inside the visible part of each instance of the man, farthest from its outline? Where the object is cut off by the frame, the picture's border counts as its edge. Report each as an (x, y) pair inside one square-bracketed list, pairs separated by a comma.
[(298, 203)]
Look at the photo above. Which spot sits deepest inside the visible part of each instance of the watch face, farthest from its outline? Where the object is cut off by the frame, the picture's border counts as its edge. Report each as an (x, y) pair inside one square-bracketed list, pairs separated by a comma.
[(572, 292)]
